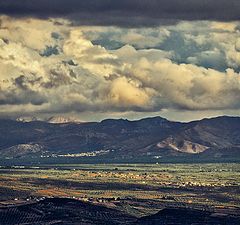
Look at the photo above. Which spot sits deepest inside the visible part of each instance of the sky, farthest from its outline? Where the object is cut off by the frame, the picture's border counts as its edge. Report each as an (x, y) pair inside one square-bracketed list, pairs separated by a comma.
[(98, 59)]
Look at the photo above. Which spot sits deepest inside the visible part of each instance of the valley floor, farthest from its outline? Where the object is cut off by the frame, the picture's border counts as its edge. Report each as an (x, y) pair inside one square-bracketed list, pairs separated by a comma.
[(136, 190)]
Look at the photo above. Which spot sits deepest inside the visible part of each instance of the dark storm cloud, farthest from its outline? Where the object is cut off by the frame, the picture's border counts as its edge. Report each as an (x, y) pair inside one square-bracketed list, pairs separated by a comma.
[(124, 12), (20, 93), (15, 97)]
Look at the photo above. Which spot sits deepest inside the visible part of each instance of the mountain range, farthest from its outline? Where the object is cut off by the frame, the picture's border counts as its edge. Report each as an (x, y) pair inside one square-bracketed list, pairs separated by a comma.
[(116, 140)]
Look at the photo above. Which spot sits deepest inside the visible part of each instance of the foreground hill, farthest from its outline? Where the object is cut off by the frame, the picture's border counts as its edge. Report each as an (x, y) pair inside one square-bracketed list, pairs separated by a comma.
[(72, 212), (183, 216), (62, 212), (145, 139)]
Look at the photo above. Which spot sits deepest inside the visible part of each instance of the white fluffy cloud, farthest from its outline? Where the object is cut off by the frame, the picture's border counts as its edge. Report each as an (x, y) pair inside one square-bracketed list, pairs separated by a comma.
[(49, 66)]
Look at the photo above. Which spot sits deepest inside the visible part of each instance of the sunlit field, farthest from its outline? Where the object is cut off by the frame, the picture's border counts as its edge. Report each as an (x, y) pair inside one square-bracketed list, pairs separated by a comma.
[(136, 188)]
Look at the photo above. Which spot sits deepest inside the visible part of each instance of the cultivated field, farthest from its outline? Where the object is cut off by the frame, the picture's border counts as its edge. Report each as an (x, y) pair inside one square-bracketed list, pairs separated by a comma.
[(138, 189)]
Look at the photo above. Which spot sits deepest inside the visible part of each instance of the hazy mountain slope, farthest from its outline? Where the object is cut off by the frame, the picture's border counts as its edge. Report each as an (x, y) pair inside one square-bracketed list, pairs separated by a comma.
[(197, 137)]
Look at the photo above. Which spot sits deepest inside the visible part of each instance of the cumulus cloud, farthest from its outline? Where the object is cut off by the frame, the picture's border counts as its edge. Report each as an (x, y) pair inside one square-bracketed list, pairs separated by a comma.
[(187, 86), (82, 76), (209, 44)]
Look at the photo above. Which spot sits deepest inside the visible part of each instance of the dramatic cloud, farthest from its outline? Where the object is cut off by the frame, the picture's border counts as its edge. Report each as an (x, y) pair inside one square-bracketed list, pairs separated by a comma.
[(124, 12), (208, 44), (52, 67)]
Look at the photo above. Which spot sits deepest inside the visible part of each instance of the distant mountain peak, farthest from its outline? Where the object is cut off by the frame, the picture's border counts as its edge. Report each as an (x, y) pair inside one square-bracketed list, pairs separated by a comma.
[(27, 119), (114, 120), (63, 119), (52, 119), (156, 118)]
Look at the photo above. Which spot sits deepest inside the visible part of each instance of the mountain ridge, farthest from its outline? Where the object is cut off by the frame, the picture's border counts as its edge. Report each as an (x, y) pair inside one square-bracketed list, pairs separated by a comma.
[(152, 137)]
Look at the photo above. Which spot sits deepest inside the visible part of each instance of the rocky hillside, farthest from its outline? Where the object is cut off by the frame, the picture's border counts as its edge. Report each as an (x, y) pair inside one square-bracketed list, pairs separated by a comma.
[(122, 139)]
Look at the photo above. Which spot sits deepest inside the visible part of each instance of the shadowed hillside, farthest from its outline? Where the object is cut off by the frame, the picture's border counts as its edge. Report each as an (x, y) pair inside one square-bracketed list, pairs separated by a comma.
[(73, 212)]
